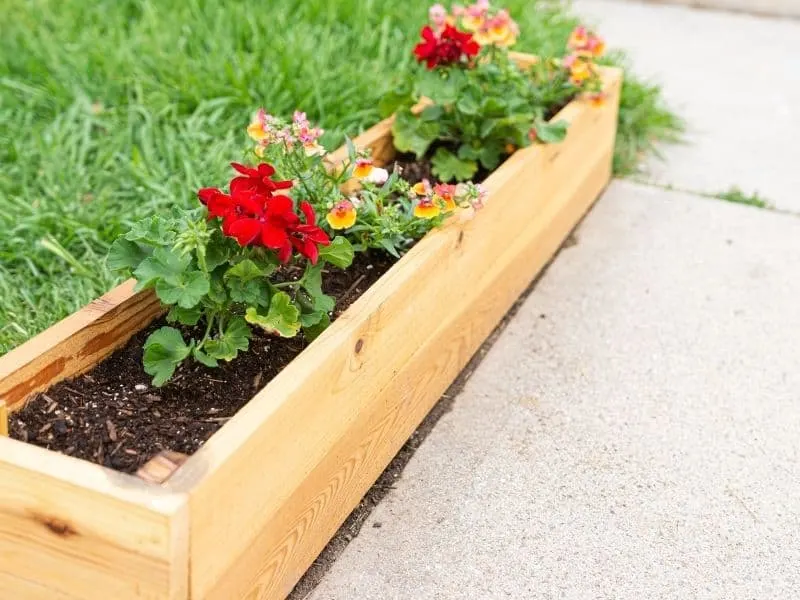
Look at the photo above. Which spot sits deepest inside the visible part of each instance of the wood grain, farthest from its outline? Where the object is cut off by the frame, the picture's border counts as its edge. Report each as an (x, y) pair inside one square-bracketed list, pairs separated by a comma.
[(75, 344), (71, 529), (161, 467), (323, 430), (3, 418)]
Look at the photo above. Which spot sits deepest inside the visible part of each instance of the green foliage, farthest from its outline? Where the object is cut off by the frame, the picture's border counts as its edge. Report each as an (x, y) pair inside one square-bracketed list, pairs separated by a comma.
[(164, 350), (208, 280), (139, 113), (448, 166), (737, 196), (282, 318)]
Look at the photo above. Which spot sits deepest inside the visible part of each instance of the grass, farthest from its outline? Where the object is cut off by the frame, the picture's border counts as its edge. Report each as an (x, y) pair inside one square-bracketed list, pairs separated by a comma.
[(737, 196), (113, 109)]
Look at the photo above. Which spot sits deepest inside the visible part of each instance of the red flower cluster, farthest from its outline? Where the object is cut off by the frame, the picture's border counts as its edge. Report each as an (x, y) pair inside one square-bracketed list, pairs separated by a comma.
[(255, 216), (446, 48)]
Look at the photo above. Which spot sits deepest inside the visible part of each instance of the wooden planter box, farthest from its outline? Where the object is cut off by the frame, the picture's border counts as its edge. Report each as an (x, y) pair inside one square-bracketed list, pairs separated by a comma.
[(246, 515)]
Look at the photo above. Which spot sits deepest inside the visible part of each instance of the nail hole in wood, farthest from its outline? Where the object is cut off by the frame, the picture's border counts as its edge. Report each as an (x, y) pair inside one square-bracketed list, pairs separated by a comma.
[(460, 237), (359, 345)]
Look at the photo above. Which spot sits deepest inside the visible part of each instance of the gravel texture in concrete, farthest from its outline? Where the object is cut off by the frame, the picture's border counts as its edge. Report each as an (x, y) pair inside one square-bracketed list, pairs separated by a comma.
[(735, 78), (633, 434)]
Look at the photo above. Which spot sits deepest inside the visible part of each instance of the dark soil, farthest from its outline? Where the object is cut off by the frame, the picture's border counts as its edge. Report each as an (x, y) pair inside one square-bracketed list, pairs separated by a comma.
[(114, 417), (415, 170)]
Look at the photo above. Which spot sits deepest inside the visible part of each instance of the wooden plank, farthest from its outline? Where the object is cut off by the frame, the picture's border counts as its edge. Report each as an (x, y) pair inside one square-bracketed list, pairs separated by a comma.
[(71, 529), (323, 430), (75, 344), (161, 467), (3, 418)]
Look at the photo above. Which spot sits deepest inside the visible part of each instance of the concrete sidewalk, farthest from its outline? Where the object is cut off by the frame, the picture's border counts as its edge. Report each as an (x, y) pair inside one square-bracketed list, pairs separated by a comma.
[(632, 434), (735, 78)]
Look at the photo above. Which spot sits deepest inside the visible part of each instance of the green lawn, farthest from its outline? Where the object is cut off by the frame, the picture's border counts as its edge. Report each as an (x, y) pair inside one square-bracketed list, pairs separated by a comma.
[(113, 109)]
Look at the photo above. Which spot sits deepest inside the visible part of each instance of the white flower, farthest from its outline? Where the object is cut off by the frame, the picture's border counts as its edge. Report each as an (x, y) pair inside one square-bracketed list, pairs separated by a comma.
[(356, 201), (377, 176)]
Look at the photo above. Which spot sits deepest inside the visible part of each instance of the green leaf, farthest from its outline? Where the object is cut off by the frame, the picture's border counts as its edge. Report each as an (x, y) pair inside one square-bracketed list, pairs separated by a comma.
[(309, 319), (217, 250), (246, 283), (204, 358), (282, 318), (490, 155), (162, 265), (186, 291), (447, 166), (552, 133), (125, 254), (389, 246), (236, 338), (339, 252), (164, 350), (394, 99), (155, 231), (312, 332), (185, 316), (443, 87), (312, 283), (467, 152), (432, 113), (494, 107), (469, 103), (412, 134)]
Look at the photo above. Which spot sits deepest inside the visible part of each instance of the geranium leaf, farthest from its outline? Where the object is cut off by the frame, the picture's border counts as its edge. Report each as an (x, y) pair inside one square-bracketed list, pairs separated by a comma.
[(412, 134), (236, 338), (339, 252), (164, 350), (246, 283), (311, 332), (184, 316), (125, 254), (204, 358), (312, 283), (186, 291), (282, 318), (447, 166), (154, 230), (164, 264)]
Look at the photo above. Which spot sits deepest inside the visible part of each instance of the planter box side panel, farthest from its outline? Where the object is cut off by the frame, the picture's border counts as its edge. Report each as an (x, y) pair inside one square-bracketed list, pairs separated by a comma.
[(75, 344), (104, 536), (324, 430)]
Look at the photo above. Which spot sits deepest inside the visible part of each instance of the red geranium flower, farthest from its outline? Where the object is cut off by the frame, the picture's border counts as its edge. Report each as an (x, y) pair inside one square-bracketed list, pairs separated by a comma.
[(446, 48), (257, 180)]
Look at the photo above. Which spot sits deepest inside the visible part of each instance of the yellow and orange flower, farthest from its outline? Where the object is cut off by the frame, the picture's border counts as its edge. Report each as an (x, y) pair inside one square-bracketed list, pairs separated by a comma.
[(422, 188), (258, 128), (446, 193), (578, 39), (363, 168), (426, 208), (342, 215)]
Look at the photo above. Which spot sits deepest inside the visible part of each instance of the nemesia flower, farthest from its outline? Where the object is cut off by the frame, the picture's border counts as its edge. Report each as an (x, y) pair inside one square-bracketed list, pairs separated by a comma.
[(578, 38), (363, 167), (342, 215), (259, 127), (314, 149), (474, 15), (438, 16), (426, 208), (377, 176), (356, 201), (422, 188), (472, 194), (579, 69), (447, 194), (448, 47), (500, 30)]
